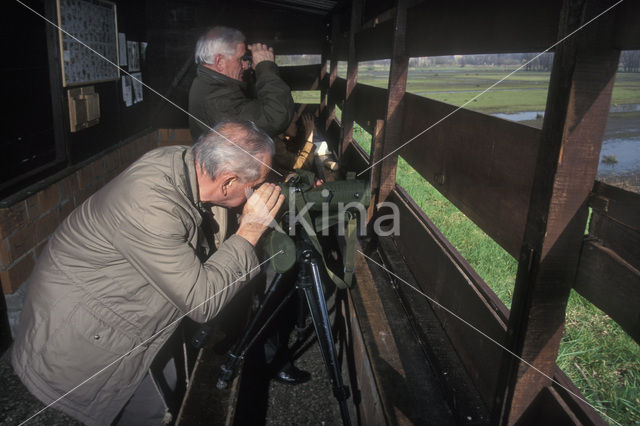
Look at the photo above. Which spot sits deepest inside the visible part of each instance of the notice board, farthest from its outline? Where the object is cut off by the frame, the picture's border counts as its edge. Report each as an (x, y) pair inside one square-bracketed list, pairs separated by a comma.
[(92, 23)]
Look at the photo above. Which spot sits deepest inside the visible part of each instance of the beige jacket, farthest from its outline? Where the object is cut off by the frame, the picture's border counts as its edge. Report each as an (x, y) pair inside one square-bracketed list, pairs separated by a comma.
[(114, 279)]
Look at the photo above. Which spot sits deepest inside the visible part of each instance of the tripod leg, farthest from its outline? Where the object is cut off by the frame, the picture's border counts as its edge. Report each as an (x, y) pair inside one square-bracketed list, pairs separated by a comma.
[(310, 281), (261, 319)]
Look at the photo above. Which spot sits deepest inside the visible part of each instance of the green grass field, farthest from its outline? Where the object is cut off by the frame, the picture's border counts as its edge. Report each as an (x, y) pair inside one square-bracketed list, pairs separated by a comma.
[(595, 352)]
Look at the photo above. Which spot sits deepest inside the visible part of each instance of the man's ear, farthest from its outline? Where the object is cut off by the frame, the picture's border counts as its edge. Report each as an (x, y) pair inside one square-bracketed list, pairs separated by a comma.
[(227, 183), (218, 62)]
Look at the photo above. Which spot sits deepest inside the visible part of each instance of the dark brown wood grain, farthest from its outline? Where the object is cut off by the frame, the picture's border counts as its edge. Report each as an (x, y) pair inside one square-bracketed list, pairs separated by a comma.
[(615, 221), (575, 119), (370, 103), (482, 164), (352, 77), (612, 284), (301, 77), (464, 28), (447, 278)]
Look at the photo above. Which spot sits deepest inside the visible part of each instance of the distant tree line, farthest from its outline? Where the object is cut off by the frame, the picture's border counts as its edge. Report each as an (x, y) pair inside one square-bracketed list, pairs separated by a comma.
[(630, 60)]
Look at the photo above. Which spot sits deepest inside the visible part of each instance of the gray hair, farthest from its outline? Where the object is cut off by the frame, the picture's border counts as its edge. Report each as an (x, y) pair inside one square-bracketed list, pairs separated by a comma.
[(233, 146), (217, 41)]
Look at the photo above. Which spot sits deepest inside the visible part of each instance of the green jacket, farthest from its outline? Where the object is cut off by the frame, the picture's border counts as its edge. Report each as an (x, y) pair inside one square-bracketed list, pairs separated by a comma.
[(113, 280), (214, 97)]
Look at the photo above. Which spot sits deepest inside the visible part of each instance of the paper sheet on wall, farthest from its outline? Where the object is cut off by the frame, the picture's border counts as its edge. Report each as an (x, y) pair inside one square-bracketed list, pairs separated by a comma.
[(137, 87), (133, 55), (122, 45), (143, 50), (126, 90)]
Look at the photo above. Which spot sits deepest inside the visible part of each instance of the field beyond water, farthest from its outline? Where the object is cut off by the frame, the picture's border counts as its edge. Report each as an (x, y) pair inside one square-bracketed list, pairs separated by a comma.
[(595, 352)]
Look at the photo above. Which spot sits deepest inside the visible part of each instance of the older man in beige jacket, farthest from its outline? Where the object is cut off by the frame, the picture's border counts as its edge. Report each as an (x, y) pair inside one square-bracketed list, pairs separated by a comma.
[(125, 266)]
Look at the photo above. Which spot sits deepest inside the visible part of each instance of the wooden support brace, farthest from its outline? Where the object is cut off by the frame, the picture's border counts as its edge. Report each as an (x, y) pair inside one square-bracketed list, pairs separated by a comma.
[(394, 112), (352, 77), (329, 111), (577, 107)]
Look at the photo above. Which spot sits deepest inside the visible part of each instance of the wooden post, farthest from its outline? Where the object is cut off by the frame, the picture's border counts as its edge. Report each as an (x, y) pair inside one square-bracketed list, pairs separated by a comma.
[(352, 76), (375, 155), (578, 102), (323, 77), (386, 173), (329, 112)]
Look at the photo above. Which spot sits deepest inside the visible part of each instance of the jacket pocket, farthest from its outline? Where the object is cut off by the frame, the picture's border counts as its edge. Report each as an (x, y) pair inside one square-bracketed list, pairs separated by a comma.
[(84, 356)]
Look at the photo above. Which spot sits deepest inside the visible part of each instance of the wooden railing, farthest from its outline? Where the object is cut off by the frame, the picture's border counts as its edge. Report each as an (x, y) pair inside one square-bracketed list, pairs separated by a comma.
[(526, 188)]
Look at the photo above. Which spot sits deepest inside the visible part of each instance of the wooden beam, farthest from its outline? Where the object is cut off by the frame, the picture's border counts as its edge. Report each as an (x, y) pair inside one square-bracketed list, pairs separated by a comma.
[(446, 277), (352, 77), (324, 78), (395, 107), (328, 112), (301, 77), (466, 28), (577, 107), (615, 221), (484, 165), (612, 284), (402, 373), (370, 105)]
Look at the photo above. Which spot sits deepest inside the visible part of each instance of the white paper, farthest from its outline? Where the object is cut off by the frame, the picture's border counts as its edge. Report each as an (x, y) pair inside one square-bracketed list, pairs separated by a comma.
[(137, 87), (126, 90), (122, 45), (143, 50), (127, 95), (133, 55)]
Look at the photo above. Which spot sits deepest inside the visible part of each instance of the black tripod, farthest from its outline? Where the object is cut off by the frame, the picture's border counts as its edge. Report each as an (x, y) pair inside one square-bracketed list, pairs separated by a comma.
[(309, 281)]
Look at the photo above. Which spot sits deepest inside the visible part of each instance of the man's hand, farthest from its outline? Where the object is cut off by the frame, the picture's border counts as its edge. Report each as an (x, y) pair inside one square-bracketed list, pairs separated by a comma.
[(259, 211), (261, 52)]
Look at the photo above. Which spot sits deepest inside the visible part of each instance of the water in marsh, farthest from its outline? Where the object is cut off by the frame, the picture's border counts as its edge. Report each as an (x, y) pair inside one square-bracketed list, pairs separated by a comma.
[(620, 153)]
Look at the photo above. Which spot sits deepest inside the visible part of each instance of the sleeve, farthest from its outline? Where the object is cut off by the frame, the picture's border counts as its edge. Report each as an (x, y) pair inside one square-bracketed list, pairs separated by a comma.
[(159, 250), (272, 110)]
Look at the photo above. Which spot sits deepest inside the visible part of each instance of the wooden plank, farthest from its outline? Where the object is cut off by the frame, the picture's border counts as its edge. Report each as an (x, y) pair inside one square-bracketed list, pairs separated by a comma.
[(572, 396), (615, 221), (464, 28), (352, 77), (394, 111), (338, 90), (610, 283), (548, 408), (408, 387), (627, 36), (328, 112), (368, 404), (301, 77), (461, 27), (575, 119), (370, 103), (457, 387), (332, 135), (446, 277), (482, 164)]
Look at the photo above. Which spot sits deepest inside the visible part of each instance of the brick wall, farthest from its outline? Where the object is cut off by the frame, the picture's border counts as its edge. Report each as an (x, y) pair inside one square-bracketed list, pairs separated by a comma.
[(25, 226)]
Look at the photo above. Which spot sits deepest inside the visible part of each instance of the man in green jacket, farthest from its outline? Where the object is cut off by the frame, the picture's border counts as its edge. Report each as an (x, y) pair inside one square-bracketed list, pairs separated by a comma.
[(127, 265), (218, 92)]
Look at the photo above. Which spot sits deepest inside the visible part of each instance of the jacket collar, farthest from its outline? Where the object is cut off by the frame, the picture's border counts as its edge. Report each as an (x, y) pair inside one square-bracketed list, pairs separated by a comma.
[(215, 77), (191, 182)]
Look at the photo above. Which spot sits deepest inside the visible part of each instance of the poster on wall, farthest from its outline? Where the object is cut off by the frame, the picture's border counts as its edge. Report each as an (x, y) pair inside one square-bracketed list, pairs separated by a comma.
[(90, 56), (122, 47), (133, 55), (136, 78), (126, 90)]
